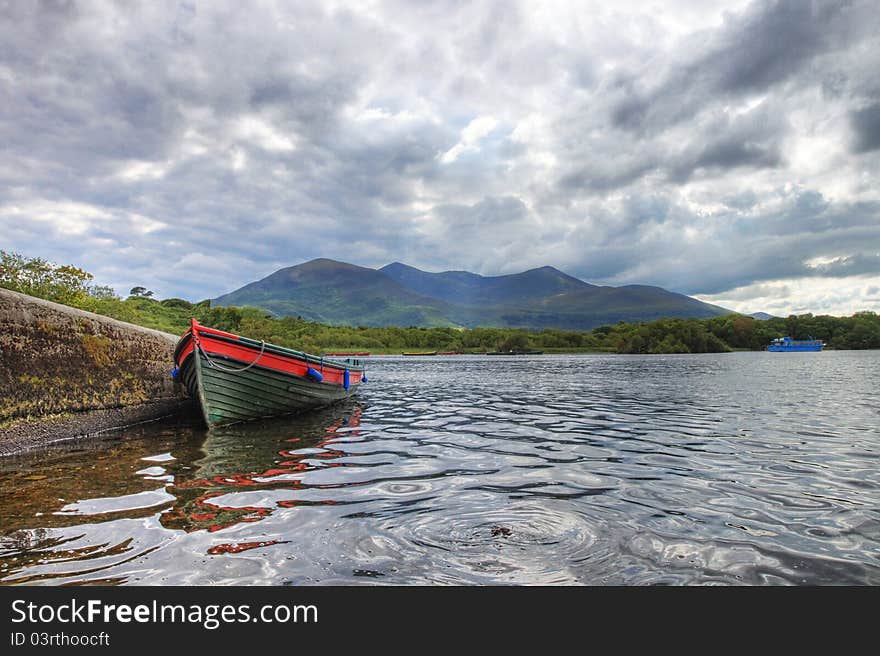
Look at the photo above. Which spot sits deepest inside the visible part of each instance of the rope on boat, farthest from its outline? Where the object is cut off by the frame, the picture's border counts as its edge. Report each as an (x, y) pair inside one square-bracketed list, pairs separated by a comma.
[(231, 370)]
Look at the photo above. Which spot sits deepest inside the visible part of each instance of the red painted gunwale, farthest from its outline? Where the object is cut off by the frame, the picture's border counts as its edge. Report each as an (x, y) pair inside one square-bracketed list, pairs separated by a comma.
[(214, 342)]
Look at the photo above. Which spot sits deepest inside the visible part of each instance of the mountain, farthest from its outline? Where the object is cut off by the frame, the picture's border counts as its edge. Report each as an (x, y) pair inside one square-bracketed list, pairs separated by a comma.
[(339, 293), (399, 295), (597, 306), (545, 298), (761, 316), (464, 288)]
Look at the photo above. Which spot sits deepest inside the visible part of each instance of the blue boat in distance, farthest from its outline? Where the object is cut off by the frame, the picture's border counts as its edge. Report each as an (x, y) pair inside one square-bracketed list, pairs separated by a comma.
[(789, 344)]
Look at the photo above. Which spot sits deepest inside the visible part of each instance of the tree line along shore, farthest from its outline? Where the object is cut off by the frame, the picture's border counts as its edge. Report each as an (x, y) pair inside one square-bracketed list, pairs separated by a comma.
[(73, 286)]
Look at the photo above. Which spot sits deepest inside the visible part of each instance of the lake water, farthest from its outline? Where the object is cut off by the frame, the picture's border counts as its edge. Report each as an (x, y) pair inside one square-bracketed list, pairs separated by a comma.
[(738, 468)]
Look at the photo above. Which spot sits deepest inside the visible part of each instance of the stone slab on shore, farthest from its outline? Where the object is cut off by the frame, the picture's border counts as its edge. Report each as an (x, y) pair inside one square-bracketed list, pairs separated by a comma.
[(66, 373)]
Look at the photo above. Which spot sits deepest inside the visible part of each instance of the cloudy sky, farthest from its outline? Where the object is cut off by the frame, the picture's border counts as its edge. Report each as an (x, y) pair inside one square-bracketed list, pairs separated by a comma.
[(727, 150)]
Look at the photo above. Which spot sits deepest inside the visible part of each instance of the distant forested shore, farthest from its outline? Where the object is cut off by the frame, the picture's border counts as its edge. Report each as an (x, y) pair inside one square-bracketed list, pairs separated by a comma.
[(73, 286)]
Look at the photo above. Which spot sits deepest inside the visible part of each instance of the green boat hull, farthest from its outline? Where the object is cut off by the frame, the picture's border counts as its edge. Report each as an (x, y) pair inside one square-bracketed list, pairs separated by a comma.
[(227, 396)]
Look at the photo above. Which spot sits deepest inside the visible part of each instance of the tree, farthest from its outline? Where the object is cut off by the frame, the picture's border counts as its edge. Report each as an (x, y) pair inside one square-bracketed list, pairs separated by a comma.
[(140, 292), (102, 292), (38, 277), (515, 342)]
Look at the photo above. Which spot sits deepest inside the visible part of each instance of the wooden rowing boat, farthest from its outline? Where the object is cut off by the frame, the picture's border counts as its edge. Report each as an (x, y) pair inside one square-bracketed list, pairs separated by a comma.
[(236, 379)]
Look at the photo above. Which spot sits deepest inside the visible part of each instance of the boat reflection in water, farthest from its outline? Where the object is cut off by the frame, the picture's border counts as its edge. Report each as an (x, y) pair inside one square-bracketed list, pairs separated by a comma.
[(271, 455), (173, 477)]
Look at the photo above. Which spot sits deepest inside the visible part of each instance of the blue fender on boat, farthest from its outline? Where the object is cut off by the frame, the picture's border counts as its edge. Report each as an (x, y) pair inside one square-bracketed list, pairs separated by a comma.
[(314, 373), (346, 380), (174, 373), (364, 378)]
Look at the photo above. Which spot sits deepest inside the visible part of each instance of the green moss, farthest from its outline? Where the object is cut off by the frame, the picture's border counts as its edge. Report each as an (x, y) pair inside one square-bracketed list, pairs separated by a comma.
[(97, 347), (12, 409), (12, 422), (128, 389), (46, 327)]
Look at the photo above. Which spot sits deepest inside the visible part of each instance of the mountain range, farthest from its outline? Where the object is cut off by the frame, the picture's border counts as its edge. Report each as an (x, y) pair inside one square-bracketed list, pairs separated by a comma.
[(338, 293)]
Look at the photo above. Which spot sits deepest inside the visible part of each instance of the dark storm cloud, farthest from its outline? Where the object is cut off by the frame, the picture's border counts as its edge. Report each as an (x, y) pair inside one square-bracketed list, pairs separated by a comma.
[(801, 235), (71, 106), (858, 264), (194, 147), (731, 153), (751, 140), (713, 144), (607, 175), (775, 42), (866, 128), (769, 44), (151, 120), (488, 213)]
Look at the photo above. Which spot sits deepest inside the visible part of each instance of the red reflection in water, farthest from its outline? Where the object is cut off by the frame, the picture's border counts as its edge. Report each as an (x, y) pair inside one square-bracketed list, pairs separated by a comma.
[(241, 546), (293, 503), (200, 513)]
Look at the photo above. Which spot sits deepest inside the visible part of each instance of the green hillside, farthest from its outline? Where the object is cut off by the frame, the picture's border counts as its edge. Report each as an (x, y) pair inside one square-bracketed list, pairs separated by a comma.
[(338, 293)]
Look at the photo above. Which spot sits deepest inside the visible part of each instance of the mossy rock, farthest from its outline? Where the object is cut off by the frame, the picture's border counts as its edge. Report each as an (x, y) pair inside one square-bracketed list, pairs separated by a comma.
[(56, 360)]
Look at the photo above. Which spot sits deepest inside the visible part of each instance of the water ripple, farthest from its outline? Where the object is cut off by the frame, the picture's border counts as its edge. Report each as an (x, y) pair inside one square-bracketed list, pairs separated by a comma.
[(744, 468)]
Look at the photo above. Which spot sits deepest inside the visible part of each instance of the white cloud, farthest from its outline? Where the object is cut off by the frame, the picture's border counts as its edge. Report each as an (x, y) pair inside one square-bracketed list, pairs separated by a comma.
[(676, 145), (255, 130), (835, 296), (472, 134)]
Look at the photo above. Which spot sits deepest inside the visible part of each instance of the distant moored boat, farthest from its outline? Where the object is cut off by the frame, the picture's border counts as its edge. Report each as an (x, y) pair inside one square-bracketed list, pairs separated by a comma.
[(515, 353), (783, 344), (420, 353), (238, 379)]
